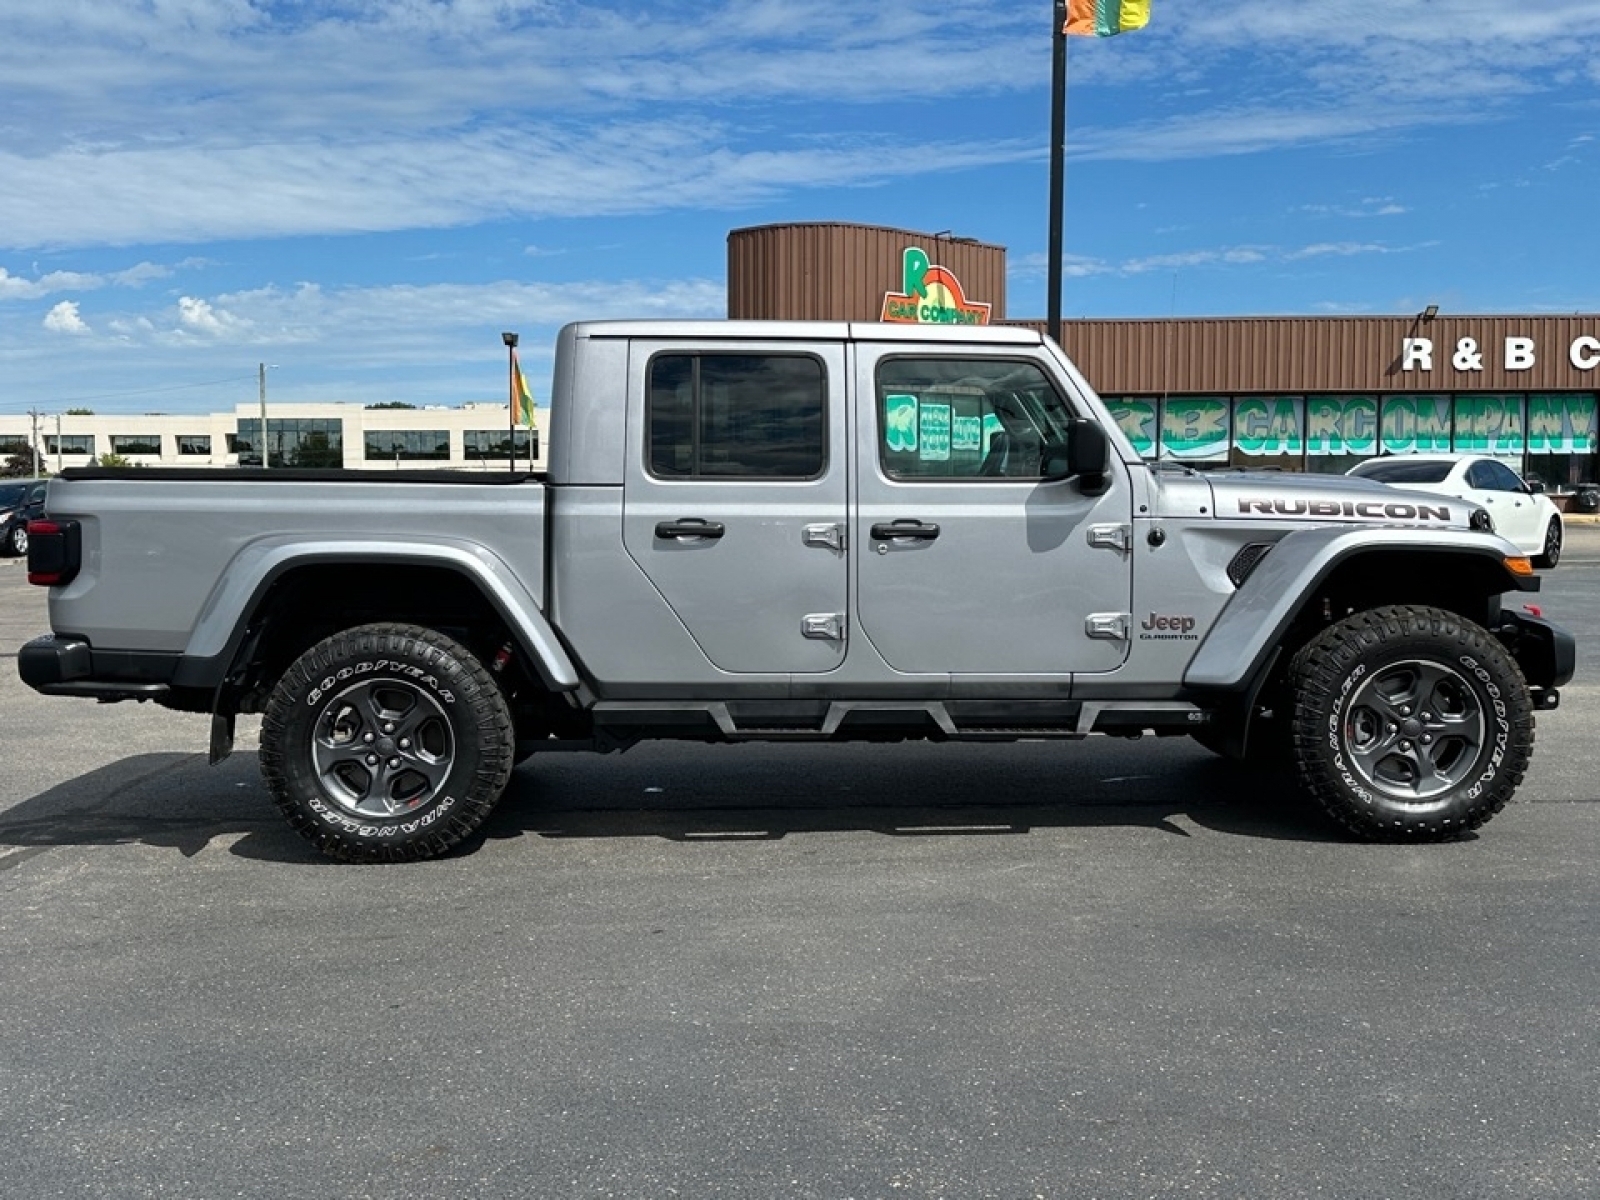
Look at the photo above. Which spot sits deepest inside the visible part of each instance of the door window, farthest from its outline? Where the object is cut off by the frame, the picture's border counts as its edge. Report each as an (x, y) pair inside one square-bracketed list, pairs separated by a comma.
[(948, 418), (1496, 477), (751, 416)]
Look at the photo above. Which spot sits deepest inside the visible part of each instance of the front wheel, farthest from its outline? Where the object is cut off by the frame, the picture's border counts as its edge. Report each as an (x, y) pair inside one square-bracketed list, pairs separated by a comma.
[(1552, 545), (17, 541), (386, 743), (1410, 723)]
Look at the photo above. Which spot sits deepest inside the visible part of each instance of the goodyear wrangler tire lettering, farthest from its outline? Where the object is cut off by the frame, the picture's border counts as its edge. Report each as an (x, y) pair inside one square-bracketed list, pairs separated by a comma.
[(1410, 723), (386, 743)]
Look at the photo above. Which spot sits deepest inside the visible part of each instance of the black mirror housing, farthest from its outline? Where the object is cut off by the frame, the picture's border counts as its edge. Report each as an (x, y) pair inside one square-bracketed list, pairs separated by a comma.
[(1082, 457)]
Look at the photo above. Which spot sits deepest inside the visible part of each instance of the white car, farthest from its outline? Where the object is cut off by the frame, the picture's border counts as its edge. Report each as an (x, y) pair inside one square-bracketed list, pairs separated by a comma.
[(1521, 515)]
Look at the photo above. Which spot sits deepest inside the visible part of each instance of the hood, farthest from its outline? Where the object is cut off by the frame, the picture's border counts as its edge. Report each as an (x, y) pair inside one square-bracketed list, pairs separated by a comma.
[(1275, 496)]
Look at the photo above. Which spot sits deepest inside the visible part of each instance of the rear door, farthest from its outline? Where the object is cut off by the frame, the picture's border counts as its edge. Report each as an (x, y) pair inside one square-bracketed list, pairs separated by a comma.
[(735, 498)]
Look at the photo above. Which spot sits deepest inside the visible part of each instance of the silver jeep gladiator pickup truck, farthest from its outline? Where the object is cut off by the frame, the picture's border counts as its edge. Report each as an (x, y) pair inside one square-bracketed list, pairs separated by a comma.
[(799, 531)]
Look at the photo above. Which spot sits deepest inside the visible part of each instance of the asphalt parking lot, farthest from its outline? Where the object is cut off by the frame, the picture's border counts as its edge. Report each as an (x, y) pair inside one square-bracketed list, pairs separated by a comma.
[(1103, 969)]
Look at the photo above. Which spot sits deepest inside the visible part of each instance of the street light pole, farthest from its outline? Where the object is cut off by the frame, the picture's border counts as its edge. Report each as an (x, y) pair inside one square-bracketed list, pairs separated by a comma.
[(1058, 167), (263, 379), (510, 339)]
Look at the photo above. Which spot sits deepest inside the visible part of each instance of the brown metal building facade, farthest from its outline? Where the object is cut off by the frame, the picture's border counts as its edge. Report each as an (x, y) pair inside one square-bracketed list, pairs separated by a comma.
[(1313, 393)]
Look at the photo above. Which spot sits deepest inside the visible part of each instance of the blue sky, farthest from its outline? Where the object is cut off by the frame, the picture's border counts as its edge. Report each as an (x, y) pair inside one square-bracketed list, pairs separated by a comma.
[(363, 194)]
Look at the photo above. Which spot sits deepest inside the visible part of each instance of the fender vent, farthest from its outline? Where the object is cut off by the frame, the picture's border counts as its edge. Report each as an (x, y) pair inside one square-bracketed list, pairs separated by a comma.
[(1248, 558)]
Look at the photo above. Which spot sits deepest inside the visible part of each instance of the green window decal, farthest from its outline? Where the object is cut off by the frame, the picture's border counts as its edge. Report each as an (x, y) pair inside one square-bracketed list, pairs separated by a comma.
[(966, 433), (900, 423), (933, 429)]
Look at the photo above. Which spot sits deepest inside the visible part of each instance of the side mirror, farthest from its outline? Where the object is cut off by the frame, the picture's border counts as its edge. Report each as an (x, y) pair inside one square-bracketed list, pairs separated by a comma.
[(1081, 457), (1534, 487)]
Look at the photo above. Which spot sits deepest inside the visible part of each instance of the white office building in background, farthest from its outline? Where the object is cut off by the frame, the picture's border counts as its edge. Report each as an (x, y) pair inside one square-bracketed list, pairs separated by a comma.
[(472, 437)]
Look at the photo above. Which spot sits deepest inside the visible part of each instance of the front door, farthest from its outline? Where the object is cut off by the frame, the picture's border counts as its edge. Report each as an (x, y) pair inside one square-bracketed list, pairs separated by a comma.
[(734, 504), (968, 561)]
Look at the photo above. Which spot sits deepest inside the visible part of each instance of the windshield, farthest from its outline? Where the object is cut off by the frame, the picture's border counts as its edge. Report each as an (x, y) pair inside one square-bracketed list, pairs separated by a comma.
[(12, 494), (1399, 470)]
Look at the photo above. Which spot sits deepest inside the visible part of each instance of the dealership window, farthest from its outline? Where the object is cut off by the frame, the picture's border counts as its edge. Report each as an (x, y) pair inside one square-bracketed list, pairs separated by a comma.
[(135, 443), (408, 445), (1341, 431), (1418, 424), (292, 442), (1489, 424), (1562, 436), (979, 419), (1196, 429), (754, 416), (1137, 418), (488, 445), (69, 443), (194, 443), (1552, 436), (1269, 433)]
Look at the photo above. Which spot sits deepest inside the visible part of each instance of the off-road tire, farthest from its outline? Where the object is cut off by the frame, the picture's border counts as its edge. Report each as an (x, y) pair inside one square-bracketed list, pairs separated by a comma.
[(1552, 546), (386, 743), (1410, 723)]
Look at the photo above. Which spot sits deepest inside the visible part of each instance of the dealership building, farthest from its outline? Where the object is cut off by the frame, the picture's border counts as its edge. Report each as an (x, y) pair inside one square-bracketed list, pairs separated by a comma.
[(1291, 393)]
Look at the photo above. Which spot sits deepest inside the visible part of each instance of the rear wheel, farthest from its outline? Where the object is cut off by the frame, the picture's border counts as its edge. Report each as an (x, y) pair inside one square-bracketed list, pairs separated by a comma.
[(386, 743), (1410, 723), (1552, 545)]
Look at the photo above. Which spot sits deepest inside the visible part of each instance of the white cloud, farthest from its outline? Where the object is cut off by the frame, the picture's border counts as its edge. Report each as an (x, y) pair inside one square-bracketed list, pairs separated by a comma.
[(350, 116), (184, 193), (198, 316), (64, 318), (1029, 267), (14, 287)]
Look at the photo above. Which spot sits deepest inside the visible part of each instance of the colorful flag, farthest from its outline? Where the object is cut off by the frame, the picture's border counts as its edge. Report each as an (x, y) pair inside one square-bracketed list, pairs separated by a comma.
[(524, 396), (1105, 18)]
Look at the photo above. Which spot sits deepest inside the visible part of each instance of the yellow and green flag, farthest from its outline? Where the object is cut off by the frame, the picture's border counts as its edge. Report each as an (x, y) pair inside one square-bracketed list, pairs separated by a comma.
[(524, 396), (1105, 18)]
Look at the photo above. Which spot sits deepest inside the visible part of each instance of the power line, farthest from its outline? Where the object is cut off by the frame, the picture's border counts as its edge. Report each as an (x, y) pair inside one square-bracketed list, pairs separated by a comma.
[(177, 387)]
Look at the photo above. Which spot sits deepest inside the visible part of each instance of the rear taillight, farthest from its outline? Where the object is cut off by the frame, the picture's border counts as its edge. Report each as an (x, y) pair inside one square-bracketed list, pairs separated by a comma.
[(54, 552)]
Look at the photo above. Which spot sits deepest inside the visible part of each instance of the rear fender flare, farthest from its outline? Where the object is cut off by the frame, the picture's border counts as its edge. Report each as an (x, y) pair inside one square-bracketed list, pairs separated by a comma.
[(219, 633)]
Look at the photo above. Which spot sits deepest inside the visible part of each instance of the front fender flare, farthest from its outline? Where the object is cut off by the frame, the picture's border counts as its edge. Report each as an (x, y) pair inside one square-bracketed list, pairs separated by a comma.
[(1251, 625)]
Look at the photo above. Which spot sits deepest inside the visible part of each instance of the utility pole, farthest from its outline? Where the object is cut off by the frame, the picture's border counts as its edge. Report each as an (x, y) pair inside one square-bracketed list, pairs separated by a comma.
[(263, 378), (33, 442), (1058, 168), (510, 340), (58, 443)]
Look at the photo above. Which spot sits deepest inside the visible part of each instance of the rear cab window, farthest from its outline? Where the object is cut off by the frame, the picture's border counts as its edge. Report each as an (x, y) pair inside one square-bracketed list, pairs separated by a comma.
[(736, 416)]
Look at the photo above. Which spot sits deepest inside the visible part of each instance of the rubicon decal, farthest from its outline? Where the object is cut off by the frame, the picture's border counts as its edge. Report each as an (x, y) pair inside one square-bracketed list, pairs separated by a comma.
[(930, 295), (1371, 510)]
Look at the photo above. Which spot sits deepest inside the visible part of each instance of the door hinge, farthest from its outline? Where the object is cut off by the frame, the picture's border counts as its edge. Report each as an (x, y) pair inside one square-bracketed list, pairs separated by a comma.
[(1111, 537), (824, 627), (829, 535), (1109, 627)]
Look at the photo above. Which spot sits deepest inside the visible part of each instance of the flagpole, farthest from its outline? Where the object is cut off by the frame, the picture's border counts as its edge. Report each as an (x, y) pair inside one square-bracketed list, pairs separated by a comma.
[(1058, 163), (510, 339)]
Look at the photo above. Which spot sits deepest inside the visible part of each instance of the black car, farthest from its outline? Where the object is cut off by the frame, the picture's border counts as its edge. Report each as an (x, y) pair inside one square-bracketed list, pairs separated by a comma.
[(21, 501)]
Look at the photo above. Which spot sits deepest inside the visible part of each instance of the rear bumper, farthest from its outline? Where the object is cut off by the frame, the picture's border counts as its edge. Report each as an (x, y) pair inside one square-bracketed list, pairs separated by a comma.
[(1547, 653), (68, 666)]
